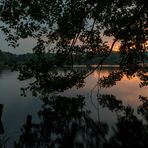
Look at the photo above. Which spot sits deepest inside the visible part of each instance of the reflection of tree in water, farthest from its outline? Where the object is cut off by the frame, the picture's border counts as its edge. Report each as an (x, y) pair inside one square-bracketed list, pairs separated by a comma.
[(129, 131), (65, 123), (1, 71)]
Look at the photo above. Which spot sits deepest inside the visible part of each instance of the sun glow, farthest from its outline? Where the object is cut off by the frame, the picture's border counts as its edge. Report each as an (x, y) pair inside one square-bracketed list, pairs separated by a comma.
[(123, 89)]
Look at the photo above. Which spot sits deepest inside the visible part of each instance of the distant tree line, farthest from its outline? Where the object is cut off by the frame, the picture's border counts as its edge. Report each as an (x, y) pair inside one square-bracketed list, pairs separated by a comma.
[(11, 59)]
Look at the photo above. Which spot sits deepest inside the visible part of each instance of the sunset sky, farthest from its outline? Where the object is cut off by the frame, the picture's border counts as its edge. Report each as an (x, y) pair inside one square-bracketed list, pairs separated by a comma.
[(26, 45)]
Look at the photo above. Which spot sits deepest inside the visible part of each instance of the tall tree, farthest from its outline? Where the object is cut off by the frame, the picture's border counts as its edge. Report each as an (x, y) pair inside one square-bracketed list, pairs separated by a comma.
[(75, 27)]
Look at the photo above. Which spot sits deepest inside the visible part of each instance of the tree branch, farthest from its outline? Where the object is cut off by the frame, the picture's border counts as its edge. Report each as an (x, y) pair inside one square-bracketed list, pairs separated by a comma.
[(101, 62)]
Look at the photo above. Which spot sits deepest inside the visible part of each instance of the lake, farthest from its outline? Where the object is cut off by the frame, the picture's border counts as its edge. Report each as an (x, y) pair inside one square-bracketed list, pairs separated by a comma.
[(16, 107)]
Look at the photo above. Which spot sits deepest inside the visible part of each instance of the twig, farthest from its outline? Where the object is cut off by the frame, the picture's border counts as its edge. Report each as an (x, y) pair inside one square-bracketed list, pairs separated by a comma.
[(101, 62)]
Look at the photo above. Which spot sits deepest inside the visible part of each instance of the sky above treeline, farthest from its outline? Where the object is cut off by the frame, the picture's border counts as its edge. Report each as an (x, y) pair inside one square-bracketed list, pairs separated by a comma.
[(26, 45)]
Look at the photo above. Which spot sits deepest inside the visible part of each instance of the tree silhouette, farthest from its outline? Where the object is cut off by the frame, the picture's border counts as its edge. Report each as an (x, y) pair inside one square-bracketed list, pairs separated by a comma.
[(64, 123), (71, 30), (59, 28)]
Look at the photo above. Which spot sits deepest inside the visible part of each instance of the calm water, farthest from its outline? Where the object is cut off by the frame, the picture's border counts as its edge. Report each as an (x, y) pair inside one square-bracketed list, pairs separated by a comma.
[(16, 107)]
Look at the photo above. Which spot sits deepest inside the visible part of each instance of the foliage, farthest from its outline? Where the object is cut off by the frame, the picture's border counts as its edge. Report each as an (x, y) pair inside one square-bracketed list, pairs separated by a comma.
[(65, 122), (59, 28), (62, 118), (72, 30)]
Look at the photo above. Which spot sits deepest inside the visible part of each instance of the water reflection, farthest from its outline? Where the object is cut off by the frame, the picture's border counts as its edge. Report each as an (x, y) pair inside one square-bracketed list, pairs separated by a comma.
[(127, 90), (65, 123), (100, 118)]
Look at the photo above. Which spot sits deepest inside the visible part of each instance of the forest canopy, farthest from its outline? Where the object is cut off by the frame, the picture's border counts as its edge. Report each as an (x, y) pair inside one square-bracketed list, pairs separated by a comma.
[(76, 24), (67, 31), (77, 27)]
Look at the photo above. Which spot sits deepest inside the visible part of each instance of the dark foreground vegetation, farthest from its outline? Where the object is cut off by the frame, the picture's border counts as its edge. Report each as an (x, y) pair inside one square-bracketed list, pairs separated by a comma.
[(74, 31)]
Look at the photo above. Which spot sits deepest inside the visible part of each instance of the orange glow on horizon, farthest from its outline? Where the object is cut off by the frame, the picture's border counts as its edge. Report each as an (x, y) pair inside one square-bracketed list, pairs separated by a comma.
[(96, 74), (116, 47), (109, 41), (126, 89)]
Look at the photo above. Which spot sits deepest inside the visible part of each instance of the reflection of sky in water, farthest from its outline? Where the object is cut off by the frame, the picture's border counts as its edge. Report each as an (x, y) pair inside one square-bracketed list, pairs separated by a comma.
[(126, 90), (16, 107)]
